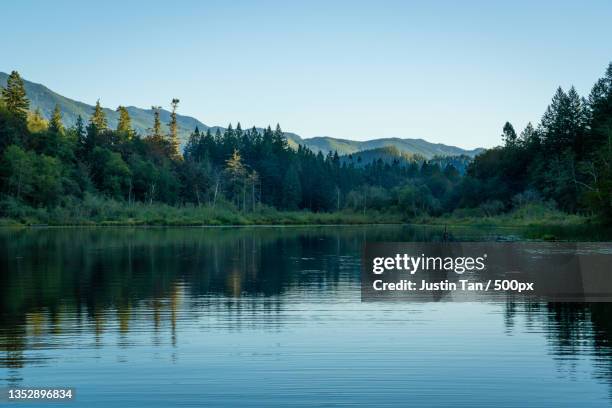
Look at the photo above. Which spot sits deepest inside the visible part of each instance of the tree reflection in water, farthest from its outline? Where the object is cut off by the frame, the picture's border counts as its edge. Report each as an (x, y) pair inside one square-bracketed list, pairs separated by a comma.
[(58, 284)]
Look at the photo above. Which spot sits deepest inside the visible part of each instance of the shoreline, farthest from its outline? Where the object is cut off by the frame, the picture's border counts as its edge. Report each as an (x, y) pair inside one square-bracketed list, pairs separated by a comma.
[(430, 222), (108, 213)]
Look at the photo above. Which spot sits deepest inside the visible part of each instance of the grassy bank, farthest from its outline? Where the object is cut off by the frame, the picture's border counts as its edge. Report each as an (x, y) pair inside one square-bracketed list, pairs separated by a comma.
[(530, 215), (100, 211)]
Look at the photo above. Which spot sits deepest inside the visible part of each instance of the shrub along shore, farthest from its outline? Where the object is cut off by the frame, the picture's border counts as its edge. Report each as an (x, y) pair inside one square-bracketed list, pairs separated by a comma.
[(99, 211)]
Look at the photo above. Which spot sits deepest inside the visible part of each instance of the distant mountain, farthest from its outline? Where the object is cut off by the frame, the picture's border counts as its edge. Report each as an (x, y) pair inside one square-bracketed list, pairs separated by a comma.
[(44, 99), (387, 154), (414, 146), (391, 154)]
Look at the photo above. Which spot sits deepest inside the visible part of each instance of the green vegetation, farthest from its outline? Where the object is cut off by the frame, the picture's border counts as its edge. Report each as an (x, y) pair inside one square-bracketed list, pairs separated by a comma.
[(566, 160), (81, 174), (528, 215), (98, 210), (391, 154), (45, 100)]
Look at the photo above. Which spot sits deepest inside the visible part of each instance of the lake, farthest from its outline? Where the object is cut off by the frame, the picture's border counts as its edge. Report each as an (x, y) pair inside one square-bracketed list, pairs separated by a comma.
[(272, 316)]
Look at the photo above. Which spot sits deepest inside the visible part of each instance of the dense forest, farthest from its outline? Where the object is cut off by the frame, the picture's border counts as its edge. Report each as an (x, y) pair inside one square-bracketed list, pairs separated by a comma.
[(564, 162)]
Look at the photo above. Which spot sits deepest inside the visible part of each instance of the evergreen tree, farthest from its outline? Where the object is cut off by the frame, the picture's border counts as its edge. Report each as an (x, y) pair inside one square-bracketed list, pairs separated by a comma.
[(528, 135), (98, 118), (229, 141), (239, 132), (576, 121), (509, 134), (14, 97), (36, 122), (79, 130), (174, 139), (124, 125), (279, 139), (553, 125), (600, 102), (91, 139), (156, 132), (192, 146), (56, 125), (597, 161)]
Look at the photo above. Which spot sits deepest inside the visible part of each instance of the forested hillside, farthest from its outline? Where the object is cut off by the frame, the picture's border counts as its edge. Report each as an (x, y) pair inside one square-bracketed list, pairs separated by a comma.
[(391, 155), (562, 162), (418, 147), (44, 100)]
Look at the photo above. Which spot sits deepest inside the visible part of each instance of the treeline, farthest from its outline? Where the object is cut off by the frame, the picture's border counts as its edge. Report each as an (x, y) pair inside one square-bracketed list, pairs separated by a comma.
[(45, 164), (566, 158), (564, 161)]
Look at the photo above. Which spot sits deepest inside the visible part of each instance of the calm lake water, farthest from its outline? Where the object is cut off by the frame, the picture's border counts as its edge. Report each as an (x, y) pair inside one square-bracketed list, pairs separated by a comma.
[(272, 317)]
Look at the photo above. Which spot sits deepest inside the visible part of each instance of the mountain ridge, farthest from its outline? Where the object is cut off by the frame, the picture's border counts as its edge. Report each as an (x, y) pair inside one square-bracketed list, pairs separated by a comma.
[(45, 99)]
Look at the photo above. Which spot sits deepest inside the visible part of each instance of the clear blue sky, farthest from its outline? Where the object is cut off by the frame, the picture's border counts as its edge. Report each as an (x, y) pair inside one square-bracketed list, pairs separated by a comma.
[(450, 72)]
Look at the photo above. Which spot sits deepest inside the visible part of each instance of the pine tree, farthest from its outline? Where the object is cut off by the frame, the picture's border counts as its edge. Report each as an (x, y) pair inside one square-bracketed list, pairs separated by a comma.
[(90, 140), (14, 96), (229, 143), (156, 131), (598, 148), (98, 118), (238, 131), (600, 102), (554, 121), (79, 130), (576, 121), (56, 125), (124, 125), (36, 122), (241, 139), (193, 145), (509, 134), (529, 135), (278, 138), (173, 125)]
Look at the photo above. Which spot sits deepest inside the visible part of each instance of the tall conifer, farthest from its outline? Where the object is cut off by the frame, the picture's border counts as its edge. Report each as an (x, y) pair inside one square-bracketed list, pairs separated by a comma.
[(124, 125), (14, 96), (55, 124), (173, 125), (98, 118)]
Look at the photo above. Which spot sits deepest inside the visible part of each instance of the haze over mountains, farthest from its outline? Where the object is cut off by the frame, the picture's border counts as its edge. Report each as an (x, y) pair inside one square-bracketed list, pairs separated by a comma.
[(44, 99)]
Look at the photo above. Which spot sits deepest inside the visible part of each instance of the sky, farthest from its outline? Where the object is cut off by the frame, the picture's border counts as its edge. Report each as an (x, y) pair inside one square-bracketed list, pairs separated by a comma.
[(449, 72)]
